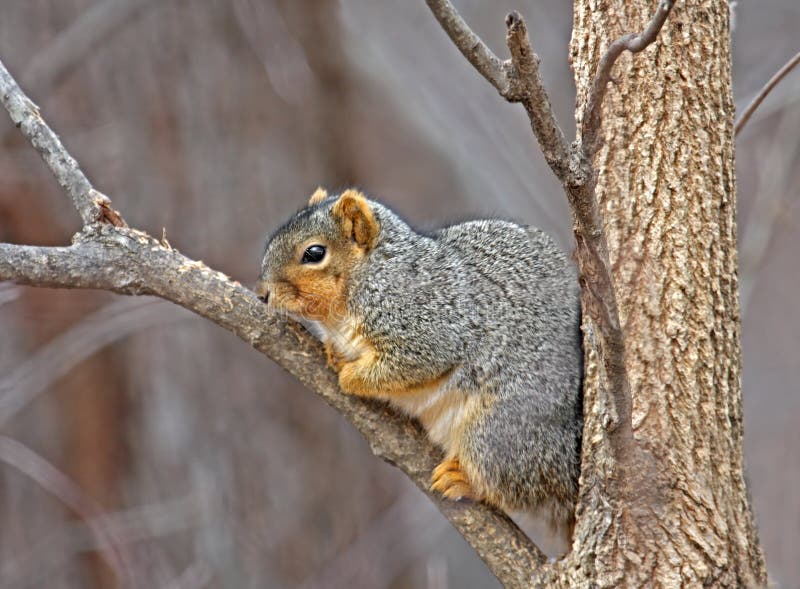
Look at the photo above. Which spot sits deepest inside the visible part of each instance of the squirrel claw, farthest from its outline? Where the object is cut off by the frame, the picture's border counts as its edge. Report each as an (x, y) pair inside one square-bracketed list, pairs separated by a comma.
[(335, 360), (449, 480)]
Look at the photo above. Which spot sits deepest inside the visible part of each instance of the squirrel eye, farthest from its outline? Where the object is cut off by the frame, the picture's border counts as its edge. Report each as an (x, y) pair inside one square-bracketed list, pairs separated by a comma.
[(313, 254)]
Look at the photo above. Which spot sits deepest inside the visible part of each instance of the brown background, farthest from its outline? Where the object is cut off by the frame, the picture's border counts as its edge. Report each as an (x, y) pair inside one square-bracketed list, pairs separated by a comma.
[(215, 120)]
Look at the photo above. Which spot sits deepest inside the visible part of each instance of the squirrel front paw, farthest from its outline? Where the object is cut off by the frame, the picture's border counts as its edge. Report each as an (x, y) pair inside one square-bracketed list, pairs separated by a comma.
[(450, 480), (335, 359)]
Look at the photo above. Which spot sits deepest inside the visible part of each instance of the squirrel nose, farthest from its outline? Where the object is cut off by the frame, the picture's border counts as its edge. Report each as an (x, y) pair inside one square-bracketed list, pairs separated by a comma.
[(262, 290)]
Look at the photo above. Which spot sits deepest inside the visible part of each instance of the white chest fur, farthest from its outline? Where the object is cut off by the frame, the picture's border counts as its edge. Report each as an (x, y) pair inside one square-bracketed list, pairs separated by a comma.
[(344, 338), (443, 412)]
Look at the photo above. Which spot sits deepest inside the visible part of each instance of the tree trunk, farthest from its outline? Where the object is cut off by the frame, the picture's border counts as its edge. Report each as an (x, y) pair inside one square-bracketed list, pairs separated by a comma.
[(666, 188)]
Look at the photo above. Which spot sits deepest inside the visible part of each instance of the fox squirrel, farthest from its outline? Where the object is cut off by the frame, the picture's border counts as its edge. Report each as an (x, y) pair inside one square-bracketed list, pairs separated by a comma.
[(473, 329)]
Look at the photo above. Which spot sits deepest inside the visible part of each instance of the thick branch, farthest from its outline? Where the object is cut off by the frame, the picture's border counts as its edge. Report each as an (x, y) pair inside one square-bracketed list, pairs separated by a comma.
[(592, 120), (91, 204), (130, 262), (771, 83)]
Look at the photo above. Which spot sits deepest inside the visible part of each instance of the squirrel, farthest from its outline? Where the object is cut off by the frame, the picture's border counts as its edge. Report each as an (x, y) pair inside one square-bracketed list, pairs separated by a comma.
[(473, 329)]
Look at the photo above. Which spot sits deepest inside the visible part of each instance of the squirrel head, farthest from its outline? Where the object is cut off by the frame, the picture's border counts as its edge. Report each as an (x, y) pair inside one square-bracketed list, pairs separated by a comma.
[(308, 261)]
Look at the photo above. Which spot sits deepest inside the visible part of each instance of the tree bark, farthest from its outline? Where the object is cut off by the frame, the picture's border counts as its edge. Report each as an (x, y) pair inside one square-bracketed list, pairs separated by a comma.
[(666, 188)]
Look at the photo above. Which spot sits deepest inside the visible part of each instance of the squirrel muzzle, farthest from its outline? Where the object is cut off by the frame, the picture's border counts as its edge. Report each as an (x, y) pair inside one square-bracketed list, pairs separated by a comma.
[(261, 289)]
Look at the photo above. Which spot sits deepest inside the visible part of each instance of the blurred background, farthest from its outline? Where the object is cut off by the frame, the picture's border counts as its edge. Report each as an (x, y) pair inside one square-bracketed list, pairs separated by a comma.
[(129, 422)]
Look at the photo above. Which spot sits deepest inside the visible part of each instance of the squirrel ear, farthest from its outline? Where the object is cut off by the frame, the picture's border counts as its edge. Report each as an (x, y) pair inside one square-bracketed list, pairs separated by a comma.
[(319, 195), (356, 218)]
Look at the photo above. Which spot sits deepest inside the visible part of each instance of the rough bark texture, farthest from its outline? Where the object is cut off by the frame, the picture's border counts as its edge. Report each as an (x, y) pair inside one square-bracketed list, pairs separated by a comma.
[(667, 191)]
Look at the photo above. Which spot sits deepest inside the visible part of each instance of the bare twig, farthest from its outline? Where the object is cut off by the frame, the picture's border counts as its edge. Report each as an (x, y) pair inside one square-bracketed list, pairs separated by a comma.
[(592, 124), (92, 206), (59, 485), (756, 102), (517, 80), (526, 86), (470, 45)]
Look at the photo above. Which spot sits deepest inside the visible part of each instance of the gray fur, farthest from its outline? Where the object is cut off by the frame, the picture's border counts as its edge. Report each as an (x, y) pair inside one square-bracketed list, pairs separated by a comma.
[(497, 304)]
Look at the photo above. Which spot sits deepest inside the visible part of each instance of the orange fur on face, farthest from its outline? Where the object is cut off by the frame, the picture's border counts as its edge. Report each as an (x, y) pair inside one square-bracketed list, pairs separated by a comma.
[(316, 291)]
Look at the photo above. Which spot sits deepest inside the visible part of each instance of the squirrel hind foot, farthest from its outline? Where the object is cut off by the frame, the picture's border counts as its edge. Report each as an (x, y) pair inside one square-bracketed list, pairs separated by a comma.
[(450, 480)]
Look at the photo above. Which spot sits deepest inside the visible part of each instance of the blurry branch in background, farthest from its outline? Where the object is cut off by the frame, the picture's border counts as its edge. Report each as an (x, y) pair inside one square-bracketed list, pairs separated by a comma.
[(771, 198), (8, 293), (32, 465), (144, 522), (111, 323), (126, 527), (108, 255), (373, 558), (762, 94), (70, 48), (518, 80), (196, 575)]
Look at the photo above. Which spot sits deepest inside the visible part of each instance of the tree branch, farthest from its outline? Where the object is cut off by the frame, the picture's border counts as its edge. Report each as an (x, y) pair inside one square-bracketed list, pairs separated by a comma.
[(92, 205), (128, 261), (592, 120), (526, 87), (470, 45), (771, 83)]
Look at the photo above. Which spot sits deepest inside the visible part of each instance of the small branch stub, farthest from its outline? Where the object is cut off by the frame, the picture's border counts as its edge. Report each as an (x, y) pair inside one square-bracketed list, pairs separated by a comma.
[(525, 63), (106, 214)]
